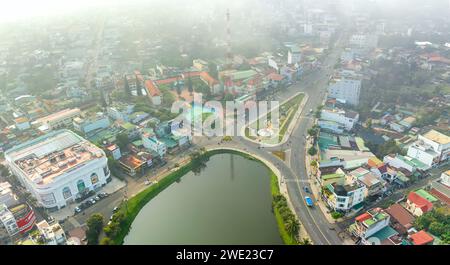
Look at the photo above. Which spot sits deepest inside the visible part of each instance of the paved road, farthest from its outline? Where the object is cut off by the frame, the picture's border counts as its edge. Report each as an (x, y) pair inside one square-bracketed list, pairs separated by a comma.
[(294, 171)]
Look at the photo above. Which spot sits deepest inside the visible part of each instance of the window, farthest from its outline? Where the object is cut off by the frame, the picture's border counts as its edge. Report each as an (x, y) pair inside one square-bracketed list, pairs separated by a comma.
[(106, 171), (80, 185), (66, 193), (94, 178), (340, 199)]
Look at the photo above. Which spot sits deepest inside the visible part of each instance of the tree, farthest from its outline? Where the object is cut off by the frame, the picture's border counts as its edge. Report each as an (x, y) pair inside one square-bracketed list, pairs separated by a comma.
[(122, 140), (312, 151), (106, 241), (212, 70), (190, 85), (138, 87), (305, 241), (95, 225), (103, 98), (112, 229), (292, 226), (126, 86), (336, 215)]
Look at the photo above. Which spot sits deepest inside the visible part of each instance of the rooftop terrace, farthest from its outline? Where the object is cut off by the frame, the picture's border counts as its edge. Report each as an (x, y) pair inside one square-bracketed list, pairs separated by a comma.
[(49, 156)]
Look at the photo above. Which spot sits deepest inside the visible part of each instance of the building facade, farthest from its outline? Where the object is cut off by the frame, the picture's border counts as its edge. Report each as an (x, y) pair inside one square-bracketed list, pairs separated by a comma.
[(58, 167)]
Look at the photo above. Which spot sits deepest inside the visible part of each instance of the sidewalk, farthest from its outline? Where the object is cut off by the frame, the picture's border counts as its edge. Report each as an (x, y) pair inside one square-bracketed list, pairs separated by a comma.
[(315, 186)]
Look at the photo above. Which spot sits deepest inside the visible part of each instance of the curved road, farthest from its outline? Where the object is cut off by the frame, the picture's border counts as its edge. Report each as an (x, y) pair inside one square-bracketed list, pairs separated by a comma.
[(294, 174)]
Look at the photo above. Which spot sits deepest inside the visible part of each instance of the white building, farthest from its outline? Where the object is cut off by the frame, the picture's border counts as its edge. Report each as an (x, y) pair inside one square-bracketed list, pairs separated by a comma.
[(7, 196), (406, 162), (51, 234), (345, 119), (369, 223), (120, 112), (346, 90), (294, 55), (431, 148), (57, 120), (424, 153), (344, 197), (152, 143), (58, 167), (363, 41), (8, 221), (92, 123)]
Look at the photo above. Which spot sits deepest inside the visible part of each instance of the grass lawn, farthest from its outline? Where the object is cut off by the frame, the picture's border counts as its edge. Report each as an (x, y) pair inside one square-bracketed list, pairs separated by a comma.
[(289, 108)]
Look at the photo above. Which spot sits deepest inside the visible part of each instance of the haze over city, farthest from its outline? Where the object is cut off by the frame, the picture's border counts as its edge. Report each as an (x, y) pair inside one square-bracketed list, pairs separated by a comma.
[(225, 122)]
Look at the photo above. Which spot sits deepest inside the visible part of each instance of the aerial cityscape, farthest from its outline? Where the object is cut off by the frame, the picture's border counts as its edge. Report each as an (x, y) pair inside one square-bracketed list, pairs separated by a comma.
[(215, 122)]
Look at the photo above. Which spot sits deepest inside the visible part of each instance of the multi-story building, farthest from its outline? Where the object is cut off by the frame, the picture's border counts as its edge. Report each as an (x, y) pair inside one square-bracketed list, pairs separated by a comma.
[(91, 123), (7, 220), (120, 112), (417, 205), (431, 148), (344, 197), (343, 119), (7, 196), (52, 234), (58, 167), (406, 162), (345, 90), (57, 120), (369, 223), (294, 55), (152, 143)]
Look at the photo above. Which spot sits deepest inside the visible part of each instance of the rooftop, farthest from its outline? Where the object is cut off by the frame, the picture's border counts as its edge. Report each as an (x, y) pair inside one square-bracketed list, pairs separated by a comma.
[(422, 193), (400, 214), (421, 238), (437, 137), (50, 156)]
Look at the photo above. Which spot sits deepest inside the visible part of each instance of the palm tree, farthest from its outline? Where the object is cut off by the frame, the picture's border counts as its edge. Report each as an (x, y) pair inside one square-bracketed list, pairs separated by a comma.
[(292, 227), (305, 241)]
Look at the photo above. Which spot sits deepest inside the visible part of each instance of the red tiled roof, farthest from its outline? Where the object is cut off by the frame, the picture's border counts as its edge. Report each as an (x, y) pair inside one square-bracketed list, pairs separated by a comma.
[(421, 238), (166, 81), (439, 59), (440, 196), (401, 215), (422, 203), (152, 89), (363, 217)]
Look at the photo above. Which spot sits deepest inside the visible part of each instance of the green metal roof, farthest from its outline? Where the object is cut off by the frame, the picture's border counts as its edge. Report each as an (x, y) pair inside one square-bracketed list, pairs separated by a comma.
[(332, 176), (385, 233), (422, 193), (243, 74), (128, 126)]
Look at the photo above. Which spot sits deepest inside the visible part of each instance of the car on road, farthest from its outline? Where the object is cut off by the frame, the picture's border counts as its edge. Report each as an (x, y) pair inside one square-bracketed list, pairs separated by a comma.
[(115, 209), (306, 189), (92, 201), (103, 195), (97, 198), (147, 182), (77, 210), (308, 201)]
